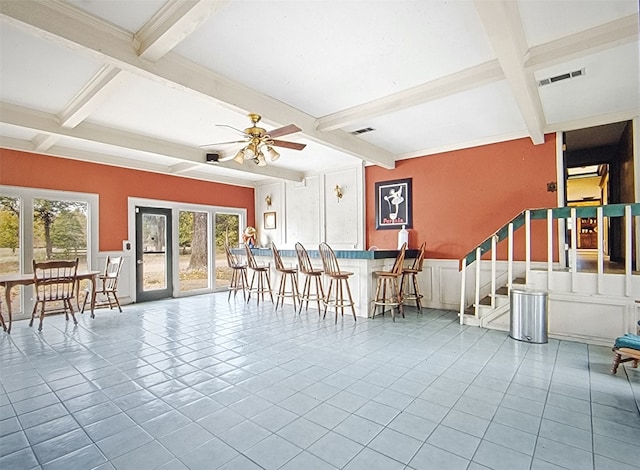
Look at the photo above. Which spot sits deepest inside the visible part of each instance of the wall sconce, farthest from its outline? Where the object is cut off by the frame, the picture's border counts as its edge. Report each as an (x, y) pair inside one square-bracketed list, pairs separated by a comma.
[(338, 191), (267, 199)]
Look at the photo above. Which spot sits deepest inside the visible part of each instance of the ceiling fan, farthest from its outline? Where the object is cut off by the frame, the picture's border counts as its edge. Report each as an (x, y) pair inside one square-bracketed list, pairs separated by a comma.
[(258, 141)]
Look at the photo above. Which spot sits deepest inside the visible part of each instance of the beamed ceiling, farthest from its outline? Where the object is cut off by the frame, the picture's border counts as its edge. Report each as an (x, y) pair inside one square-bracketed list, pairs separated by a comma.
[(143, 84)]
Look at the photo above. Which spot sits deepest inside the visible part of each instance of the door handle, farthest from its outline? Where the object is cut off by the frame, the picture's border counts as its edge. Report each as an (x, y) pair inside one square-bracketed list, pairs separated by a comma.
[(139, 261)]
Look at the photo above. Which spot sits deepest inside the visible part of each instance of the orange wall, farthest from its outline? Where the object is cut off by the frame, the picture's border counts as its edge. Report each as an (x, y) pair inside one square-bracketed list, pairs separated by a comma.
[(462, 197), (114, 185)]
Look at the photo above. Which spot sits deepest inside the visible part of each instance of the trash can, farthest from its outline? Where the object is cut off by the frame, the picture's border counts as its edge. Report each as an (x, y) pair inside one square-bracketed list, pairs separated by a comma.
[(529, 318)]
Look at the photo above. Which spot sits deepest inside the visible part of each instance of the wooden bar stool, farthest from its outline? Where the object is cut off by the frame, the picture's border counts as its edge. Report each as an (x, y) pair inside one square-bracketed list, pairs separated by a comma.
[(389, 280), (410, 279), (238, 274), (337, 280), (311, 276), (264, 282), (285, 273)]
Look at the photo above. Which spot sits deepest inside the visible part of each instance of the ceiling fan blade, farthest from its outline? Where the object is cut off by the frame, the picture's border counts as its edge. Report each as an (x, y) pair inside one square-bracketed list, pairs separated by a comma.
[(230, 127), (224, 143), (289, 145), (286, 130)]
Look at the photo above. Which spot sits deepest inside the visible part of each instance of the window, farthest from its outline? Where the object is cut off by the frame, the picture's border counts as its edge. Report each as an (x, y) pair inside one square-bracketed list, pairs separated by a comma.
[(41, 225)]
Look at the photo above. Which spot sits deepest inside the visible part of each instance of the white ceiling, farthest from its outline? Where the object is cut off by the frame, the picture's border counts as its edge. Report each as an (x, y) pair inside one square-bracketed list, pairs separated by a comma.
[(142, 84)]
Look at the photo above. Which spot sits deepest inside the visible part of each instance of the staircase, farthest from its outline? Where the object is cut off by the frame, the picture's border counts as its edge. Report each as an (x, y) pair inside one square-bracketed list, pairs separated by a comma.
[(488, 314), (587, 306)]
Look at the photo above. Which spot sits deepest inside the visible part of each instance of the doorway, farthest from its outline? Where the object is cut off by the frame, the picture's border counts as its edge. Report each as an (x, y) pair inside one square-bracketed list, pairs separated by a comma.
[(599, 170), (154, 257)]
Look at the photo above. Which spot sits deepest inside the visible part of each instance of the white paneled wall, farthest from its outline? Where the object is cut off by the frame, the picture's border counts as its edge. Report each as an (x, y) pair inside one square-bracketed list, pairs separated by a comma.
[(310, 212)]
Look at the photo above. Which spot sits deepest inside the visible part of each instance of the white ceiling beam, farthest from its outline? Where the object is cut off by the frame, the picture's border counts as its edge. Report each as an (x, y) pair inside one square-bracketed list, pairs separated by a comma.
[(182, 167), (170, 25), (63, 23), (48, 124), (270, 170), (43, 142), (90, 97), (593, 121), (458, 82), (103, 159), (502, 23), (589, 41)]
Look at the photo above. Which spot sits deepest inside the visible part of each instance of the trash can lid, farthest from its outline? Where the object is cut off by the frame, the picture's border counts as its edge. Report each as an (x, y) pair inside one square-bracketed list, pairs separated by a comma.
[(529, 291)]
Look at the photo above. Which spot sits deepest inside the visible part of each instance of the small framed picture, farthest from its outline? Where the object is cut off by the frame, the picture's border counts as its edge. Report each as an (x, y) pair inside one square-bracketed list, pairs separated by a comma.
[(269, 220)]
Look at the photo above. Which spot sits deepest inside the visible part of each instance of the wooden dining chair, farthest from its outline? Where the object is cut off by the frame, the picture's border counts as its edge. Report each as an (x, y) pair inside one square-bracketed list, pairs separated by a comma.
[(238, 274), (409, 285), (338, 280), (54, 284), (264, 281), (388, 292), (311, 276), (286, 273), (106, 285)]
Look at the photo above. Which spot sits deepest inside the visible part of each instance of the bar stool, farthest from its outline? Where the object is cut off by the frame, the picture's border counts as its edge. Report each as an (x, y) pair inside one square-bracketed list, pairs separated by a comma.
[(389, 280), (337, 279), (263, 277), (238, 274), (285, 273), (410, 275), (311, 275)]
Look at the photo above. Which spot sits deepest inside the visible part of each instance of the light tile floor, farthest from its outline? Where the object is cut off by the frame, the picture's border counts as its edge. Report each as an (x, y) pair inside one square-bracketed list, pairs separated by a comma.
[(202, 383)]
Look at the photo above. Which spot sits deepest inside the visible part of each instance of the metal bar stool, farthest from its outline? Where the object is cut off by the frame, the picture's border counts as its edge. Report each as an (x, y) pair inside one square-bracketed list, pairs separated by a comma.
[(285, 273), (410, 279), (389, 280), (238, 274), (337, 279), (263, 277), (311, 276)]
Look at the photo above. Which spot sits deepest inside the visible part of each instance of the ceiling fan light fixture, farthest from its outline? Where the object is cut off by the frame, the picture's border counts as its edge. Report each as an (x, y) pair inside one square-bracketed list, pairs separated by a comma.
[(259, 144), (239, 158), (273, 154)]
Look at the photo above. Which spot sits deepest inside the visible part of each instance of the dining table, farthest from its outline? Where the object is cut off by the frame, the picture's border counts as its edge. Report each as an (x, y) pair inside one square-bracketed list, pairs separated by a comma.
[(8, 281)]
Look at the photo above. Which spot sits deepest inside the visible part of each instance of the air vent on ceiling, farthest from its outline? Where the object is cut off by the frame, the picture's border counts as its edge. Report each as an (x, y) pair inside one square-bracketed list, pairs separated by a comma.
[(563, 76), (364, 130)]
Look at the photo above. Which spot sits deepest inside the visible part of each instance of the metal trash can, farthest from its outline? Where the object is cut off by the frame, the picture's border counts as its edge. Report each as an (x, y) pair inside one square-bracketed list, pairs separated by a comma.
[(529, 318)]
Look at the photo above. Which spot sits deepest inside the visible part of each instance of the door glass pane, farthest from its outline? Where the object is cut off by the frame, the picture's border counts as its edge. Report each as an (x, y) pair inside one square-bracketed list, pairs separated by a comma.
[(227, 230), (194, 253), (10, 245), (154, 254)]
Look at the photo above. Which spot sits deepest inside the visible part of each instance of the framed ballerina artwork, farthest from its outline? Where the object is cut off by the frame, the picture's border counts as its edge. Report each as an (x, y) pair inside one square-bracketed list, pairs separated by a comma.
[(393, 204)]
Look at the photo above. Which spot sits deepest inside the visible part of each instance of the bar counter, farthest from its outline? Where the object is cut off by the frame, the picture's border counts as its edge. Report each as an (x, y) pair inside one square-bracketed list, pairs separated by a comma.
[(360, 262)]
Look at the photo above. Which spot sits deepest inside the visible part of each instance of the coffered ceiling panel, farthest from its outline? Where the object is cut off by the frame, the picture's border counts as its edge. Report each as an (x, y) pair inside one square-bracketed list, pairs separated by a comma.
[(38, 73), (609, 84), (440, 124), (324, 56)]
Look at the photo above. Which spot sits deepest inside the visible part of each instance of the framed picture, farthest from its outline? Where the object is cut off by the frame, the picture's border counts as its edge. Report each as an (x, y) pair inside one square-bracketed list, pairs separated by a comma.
[(393, 204), (269, 220)]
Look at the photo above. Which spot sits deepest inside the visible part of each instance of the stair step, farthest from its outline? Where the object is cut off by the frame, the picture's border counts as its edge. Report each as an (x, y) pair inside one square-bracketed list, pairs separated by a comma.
[(502, 291), (519, 280)]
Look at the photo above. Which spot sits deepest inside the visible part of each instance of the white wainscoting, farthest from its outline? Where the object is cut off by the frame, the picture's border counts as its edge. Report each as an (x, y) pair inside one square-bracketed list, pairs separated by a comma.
[(309, 212)]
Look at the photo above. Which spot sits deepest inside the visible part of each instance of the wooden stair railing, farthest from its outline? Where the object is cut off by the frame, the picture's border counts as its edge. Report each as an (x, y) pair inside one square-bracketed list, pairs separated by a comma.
[(562, 216)]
